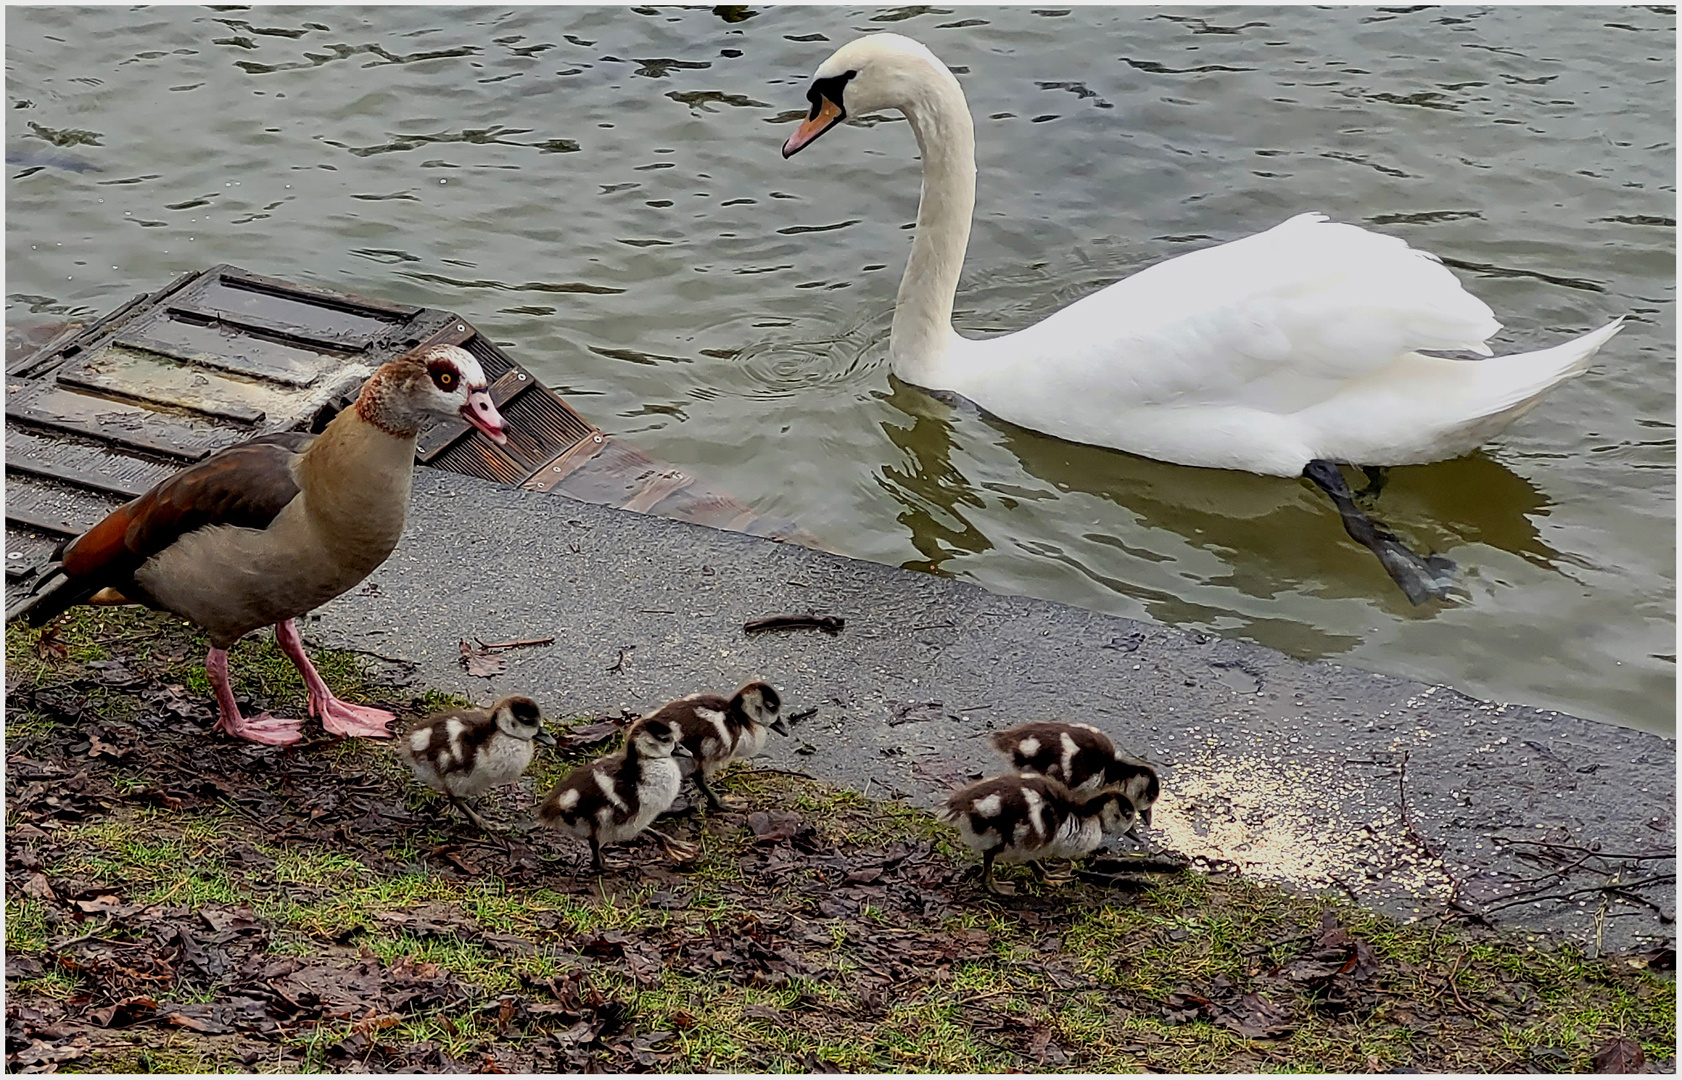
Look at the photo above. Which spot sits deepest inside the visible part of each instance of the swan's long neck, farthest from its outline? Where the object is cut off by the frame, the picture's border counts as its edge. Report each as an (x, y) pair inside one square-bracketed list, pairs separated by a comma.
[(922, 330)]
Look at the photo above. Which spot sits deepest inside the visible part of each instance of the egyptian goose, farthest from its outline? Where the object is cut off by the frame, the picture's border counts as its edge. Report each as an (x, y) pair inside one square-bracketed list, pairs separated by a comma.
[(466, 752), (614, 798), (1027, 817), (1081, 757), (1282, 353), (717, 732), (267, 530)]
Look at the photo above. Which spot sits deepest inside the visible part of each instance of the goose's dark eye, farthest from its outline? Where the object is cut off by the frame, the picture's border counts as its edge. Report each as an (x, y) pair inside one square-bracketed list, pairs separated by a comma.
[(446, 380)]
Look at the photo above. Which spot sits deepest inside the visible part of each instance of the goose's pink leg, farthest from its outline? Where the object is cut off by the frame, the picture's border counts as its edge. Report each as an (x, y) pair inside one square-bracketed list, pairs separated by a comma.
[(264, 728), (338, 717)]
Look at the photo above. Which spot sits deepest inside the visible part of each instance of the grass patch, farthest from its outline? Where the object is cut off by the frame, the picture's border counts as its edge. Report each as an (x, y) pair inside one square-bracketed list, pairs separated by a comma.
[(862, 942)]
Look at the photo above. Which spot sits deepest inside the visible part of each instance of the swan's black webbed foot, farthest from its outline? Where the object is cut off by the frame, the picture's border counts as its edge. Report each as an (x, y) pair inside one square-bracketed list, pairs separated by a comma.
[(1377, 477), (1422, 579)]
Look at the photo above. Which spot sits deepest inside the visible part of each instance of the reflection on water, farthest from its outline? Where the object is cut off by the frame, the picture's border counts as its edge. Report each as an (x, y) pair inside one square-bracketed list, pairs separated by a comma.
[(601, 190), (1267, 535), (934, 495)]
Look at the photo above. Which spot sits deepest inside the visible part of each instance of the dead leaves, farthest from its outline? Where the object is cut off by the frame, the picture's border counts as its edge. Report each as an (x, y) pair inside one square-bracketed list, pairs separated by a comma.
[(480, 662), (42, 1056), (1339, 970), (774, 828), (591, 735), (1250, 1016), (1621, 1055), (123, 1013), (48, 646)]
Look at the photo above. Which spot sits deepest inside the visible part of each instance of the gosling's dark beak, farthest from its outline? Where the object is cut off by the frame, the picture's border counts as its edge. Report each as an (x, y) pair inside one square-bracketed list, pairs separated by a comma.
[(1133, 831), (543, 738), (780, 726), (828, 115), (681, 750), (1145, 817)]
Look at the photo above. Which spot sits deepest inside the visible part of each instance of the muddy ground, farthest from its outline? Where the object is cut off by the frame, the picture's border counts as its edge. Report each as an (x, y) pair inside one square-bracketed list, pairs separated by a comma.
[(176, 901)]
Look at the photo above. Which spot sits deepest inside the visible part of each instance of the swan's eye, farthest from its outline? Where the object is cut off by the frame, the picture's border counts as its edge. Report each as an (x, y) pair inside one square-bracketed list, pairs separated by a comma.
[(831, 89)]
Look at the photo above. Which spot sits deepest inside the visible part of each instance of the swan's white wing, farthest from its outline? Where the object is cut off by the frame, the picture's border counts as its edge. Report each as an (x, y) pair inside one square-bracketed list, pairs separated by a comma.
[(1276, 322)]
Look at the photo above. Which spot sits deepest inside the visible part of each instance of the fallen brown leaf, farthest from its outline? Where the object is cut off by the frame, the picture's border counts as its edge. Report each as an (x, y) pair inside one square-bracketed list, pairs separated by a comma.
[(481, 663), (1621, 1055)]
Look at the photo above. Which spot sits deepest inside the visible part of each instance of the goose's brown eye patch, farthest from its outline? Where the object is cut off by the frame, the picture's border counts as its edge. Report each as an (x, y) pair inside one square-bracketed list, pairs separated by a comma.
[(444, 378)]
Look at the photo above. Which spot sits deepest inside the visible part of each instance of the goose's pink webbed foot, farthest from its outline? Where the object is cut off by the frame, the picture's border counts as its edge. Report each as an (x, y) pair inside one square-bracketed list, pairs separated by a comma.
[(263, 728), (338, 717)]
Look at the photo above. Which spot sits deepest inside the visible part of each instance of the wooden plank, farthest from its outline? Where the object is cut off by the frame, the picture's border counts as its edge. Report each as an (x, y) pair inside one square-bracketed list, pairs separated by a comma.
[(119, 423), (112, 470), (211, 345), (76, 477), (286, 317), (118, 374), (551, 473), (355, 303)]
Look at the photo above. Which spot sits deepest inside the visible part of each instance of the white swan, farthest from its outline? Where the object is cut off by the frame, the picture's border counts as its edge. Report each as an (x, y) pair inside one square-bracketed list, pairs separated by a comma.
[(1282, 353)]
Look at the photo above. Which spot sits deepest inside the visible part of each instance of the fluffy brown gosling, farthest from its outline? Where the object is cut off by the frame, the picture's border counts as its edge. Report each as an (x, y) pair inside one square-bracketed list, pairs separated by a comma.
[(717, 732), (466, 752), (1027, 817), (1084, 759), (614, 798)]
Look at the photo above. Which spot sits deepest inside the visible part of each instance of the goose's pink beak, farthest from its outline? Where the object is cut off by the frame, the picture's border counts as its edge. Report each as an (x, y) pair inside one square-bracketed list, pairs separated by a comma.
[(480, 411)]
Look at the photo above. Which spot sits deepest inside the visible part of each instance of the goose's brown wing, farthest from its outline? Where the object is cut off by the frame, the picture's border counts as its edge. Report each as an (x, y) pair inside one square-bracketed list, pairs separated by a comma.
[(245, 485)]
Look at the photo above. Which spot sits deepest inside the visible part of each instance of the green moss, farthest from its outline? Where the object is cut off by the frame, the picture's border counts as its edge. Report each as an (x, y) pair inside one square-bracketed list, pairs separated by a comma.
[(26, 926)]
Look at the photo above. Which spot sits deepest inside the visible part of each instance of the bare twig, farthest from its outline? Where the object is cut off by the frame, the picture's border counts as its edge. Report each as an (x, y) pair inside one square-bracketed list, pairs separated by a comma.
[(829, 624), (1531, 895), (619, 664), (515, 644), (1656, 855), (90, 936)]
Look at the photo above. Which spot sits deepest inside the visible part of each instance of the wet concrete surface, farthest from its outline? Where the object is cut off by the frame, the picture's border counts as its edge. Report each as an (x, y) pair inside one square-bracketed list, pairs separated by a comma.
[(1406, 796)]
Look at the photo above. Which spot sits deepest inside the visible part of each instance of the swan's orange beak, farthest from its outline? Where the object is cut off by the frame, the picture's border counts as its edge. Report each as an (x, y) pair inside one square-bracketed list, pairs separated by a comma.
[(828, 115)]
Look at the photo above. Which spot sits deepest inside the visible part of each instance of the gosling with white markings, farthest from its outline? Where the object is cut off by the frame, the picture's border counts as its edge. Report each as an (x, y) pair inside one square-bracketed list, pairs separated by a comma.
[(1082, 758), (718, 732), (1027, 817), (467, 752), (614, 798)]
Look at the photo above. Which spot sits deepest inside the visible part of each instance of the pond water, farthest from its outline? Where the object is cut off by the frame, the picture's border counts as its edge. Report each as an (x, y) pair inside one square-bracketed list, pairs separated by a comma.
[(601, 190)]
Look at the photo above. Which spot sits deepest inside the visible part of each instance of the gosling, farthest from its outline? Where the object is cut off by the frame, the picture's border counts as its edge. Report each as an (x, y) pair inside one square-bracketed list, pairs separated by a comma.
[(1084, 759), (1027, 817), (718, 732), (466, 752), (614, 798)]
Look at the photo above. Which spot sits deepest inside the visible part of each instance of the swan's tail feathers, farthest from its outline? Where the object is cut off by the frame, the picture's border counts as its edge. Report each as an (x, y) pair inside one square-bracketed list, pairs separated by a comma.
[(1428, 408), (1518, 381)]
